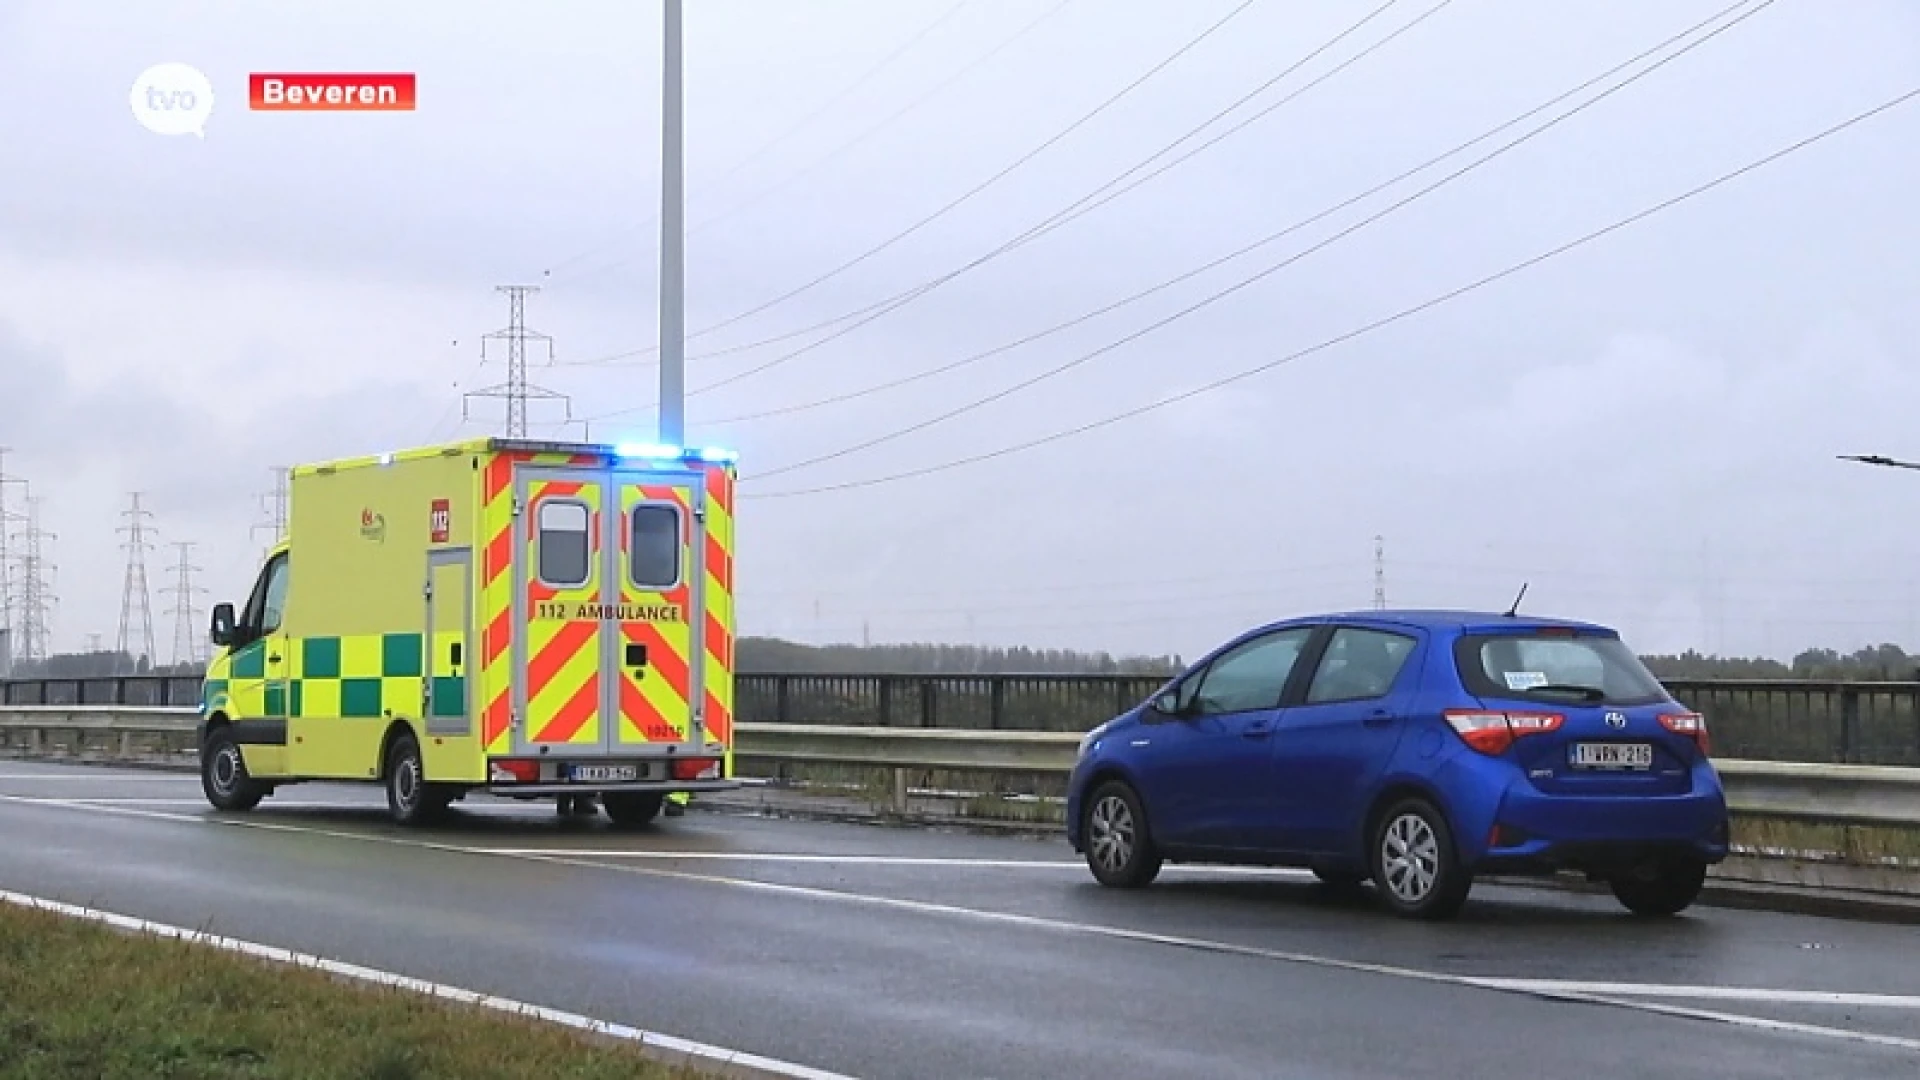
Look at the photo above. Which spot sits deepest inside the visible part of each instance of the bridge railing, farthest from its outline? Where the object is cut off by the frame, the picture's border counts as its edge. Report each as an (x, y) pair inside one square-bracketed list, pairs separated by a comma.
[(1819, 722)]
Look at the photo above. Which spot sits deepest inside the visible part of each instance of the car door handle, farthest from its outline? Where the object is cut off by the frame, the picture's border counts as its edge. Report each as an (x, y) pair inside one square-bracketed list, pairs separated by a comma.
[(1256, 731), (1379, 719)]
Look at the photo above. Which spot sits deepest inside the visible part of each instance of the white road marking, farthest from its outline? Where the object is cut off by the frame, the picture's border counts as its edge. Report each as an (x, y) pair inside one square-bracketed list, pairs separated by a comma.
[(681, 1048), (1559, 992), (1759, 995)]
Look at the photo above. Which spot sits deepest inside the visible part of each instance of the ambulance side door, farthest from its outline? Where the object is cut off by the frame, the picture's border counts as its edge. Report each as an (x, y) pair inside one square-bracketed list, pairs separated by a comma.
[(258, 688)]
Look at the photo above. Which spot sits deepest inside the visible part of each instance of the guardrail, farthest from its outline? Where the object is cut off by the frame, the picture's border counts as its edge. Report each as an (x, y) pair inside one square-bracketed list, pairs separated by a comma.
[(1814, 793), (1823, 722)]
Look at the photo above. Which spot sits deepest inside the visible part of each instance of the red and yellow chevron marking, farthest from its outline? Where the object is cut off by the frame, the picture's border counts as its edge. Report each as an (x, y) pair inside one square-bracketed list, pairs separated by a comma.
[(719, 630), (496, 589), (654, 701), (563, 655)]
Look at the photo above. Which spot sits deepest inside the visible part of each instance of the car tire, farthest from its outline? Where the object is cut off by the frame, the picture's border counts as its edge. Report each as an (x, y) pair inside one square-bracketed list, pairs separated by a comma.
[(1666, 888), (1119, 843), (1416, 868), (410, 799), (223, 774), (632, 809)]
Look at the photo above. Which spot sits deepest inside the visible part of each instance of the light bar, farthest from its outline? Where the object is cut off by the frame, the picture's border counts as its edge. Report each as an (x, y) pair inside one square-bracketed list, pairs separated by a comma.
[(658, 452)]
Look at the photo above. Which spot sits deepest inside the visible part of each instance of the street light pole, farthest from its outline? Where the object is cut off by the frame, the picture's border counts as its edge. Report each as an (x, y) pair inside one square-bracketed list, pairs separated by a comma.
[(673, 291)]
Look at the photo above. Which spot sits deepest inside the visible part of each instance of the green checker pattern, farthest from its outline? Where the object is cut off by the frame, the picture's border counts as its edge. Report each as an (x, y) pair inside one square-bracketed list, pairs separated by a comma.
[(366, 677)]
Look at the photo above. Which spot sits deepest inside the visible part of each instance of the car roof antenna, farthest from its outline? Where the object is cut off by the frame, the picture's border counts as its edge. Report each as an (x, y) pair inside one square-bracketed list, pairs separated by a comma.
[(1515, 609)]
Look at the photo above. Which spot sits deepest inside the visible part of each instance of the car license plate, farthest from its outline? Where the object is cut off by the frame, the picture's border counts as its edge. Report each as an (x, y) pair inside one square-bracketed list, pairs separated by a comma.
[(599, 774), (1589, 755)]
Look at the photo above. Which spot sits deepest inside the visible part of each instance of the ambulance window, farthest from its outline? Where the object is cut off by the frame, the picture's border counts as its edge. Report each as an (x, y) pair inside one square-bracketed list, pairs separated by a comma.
[(565, 546), (653, 555), (276, 605)]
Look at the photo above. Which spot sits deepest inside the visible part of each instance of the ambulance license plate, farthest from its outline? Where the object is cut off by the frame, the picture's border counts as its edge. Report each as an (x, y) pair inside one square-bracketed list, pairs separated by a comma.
[(1589, 755), (601, 774)]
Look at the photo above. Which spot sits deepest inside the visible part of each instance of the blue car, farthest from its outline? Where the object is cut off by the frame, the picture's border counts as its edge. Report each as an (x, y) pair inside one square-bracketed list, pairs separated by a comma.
[(1415, 749)]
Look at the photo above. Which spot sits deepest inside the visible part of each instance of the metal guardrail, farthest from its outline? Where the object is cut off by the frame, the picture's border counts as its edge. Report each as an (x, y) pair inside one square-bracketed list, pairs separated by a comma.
[(1822, 722), (1824, 794)]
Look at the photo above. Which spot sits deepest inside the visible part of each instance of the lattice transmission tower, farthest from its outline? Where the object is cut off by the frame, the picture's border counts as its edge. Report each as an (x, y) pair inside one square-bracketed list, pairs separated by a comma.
[(273, 506), (34, 602), (516, 390), (1379, 573), (186, 614), (10, 520), (136, 608)]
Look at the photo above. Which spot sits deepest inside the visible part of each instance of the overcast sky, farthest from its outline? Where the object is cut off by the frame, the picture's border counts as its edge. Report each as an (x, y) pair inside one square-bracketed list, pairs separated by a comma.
[(1643, 428)]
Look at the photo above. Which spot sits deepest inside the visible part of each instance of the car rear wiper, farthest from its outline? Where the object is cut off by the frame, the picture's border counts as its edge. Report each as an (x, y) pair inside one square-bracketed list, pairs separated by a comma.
[(1591, 694)]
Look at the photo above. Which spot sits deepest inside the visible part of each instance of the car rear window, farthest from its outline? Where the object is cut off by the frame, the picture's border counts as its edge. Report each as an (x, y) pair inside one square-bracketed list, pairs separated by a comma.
[(1554, 666)]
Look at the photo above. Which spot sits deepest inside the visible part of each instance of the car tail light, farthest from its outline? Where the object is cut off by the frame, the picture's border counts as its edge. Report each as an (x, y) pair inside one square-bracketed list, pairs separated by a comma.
[(514, 772), (1691, 724), (1492, 732), (696, 769)]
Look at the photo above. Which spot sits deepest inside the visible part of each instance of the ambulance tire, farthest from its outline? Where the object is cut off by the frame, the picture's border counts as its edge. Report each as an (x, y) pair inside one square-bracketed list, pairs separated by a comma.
[(223, 773), (410, 799), (632, 809)]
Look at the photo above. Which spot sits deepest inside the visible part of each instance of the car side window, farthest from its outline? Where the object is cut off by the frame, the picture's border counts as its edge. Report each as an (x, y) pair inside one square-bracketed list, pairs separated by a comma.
[(1359, 665), (1251, 675)]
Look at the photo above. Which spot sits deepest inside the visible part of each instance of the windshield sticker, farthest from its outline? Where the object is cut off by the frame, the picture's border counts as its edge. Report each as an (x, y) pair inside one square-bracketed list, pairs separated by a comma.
[(1526, 680)]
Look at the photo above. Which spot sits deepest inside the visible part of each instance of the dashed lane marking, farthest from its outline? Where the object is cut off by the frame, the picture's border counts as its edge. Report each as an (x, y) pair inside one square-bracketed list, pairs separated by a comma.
[(660, 1045), (1569, 992), (1757, 995)]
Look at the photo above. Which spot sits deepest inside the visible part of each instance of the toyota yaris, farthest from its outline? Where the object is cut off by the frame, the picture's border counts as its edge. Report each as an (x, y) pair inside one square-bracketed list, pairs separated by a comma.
[(1416, 750)]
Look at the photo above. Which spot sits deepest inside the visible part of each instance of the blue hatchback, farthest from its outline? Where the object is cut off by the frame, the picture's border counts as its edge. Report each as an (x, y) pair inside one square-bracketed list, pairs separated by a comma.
[(1415, 749)]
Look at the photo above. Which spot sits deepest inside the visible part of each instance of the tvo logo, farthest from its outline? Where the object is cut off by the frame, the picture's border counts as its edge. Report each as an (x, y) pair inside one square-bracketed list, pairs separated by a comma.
[(172, 99)]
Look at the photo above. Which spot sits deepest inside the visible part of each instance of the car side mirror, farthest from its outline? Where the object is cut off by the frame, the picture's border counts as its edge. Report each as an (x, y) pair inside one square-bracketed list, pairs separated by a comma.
[(222, 633)]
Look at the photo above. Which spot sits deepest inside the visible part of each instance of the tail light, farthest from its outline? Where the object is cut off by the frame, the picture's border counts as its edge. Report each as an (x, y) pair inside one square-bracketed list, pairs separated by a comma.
[(1691, 724), (696, 768), (514, 772), (1493, 732)]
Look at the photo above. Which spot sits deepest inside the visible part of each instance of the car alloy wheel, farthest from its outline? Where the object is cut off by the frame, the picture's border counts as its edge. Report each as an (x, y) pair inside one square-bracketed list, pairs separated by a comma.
[(1110, 834), (1415, 867), (1119, 843), (1411, 857)]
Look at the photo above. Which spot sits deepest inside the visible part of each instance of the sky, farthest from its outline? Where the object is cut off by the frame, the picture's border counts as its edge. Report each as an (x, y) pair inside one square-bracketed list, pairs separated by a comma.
[(1642, 429)]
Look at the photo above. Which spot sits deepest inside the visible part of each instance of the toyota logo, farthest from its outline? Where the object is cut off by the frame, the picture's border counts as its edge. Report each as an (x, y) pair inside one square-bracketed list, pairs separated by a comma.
[(1616, 720)]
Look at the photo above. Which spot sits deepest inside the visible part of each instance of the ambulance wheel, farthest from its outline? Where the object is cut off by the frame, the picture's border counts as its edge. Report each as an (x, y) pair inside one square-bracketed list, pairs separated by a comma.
[(632, 809), (410, 799), (223, 774)]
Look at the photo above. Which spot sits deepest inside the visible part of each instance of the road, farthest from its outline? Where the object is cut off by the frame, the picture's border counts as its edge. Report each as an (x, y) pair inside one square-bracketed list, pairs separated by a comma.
[(883, 953)]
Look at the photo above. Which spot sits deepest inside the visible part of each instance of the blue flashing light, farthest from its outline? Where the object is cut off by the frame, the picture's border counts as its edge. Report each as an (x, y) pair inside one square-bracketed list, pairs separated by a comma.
[(659, 452), (652, 452)]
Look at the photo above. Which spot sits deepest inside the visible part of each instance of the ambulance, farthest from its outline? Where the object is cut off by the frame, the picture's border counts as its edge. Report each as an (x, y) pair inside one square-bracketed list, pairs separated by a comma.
[(513, 618)]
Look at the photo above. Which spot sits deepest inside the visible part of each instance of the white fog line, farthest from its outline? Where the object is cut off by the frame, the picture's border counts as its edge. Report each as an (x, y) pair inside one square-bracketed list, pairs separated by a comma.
[(681, 1048)]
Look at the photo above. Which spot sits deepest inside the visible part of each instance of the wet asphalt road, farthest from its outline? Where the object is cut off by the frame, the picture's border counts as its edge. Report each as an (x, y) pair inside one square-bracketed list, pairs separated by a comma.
[(886, 953)]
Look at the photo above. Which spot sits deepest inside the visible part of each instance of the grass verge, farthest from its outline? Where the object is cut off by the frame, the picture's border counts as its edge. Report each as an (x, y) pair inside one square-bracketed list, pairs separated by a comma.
[(82, 1000)]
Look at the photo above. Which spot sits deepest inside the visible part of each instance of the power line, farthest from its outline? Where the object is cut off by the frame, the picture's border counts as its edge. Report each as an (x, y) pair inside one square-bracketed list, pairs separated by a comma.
[(840, 149), (135, 599), (516, 390), (1003, 173), (1252, 279), (881, 309), (1378, 324), (1264, 241)]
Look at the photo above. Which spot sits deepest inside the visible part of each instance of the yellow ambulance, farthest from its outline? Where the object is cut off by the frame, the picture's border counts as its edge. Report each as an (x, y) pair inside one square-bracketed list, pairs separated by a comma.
[(507, 617)]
